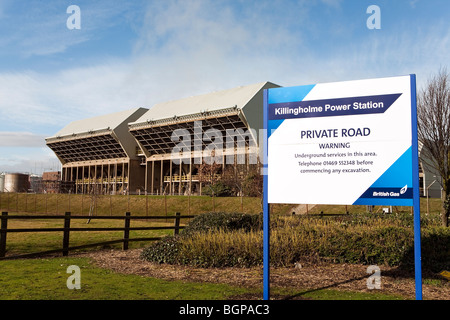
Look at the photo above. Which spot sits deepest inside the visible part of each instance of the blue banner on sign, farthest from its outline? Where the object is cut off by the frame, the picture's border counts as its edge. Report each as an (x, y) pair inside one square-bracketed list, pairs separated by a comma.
[(394, 186), (332, 107), (387, 196), (388, 193)]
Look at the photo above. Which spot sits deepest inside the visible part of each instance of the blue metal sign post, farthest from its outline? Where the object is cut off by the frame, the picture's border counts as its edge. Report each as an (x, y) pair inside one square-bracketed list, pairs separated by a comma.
[(416, 195), (266, 211), (387, 171)]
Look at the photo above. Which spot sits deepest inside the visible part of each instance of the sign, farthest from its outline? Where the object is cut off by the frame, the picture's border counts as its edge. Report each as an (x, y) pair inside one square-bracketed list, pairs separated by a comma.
[(343, 143)]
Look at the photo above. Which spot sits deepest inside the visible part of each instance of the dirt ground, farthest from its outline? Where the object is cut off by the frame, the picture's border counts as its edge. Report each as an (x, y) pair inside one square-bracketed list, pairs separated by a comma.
[(307, 277)]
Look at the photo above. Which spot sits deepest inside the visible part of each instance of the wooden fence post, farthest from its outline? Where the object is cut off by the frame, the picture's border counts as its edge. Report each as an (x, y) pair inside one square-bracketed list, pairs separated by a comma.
[(126, 231), (177, 224), (66, 234), (3, 231)]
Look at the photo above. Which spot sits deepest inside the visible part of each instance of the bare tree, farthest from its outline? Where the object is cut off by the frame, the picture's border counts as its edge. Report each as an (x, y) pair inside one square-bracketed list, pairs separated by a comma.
[(208, 172), (433, 115), (253, 183)]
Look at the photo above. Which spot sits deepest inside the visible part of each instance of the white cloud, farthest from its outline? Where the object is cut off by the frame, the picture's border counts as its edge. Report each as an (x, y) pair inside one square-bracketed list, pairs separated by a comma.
[(33, 99), (332, 3), (31, 160), (21, 139), (222, 29), (412, 3)]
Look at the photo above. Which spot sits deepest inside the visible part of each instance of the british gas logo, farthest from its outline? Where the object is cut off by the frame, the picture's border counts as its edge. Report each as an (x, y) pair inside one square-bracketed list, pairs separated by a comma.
[(403, 190), (391, 192)]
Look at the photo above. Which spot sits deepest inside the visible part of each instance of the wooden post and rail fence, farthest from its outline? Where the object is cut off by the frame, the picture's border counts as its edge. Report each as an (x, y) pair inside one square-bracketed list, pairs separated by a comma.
[(66, 230)]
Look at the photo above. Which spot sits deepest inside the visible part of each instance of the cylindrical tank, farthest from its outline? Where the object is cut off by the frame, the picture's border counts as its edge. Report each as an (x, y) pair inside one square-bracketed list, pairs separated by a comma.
[(16, 182), (2, 182)]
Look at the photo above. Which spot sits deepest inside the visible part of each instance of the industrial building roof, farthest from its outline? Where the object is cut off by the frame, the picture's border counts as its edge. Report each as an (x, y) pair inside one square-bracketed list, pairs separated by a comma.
[(237, 108), (104, 122), (103, 137), (116, 135), (236, 98)]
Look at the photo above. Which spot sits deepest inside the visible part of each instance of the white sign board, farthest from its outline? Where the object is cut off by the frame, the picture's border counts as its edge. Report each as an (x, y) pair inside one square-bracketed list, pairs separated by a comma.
[(341, 143)]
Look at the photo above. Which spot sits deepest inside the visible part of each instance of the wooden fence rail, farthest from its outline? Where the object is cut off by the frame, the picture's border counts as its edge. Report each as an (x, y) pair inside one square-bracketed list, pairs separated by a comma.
[(67, 229)]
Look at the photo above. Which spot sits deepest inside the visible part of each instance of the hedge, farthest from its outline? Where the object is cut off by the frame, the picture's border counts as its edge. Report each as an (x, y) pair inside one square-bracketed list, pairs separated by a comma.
[(235, 240)]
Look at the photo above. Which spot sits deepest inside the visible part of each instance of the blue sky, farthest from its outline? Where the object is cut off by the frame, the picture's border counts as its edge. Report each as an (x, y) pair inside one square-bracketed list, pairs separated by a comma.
[(137, 53)]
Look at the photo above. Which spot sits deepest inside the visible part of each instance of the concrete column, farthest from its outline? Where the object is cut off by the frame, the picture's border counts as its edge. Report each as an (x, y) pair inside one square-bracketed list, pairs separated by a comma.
[(153, 175)]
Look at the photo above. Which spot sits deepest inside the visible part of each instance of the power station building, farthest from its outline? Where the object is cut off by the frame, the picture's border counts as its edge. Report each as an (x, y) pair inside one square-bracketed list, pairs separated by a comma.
[(160, 150), (177, 137), (99, 155)]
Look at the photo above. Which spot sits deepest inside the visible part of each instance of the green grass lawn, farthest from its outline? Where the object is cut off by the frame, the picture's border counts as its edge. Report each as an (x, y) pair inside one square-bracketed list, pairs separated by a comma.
[(46, 279)]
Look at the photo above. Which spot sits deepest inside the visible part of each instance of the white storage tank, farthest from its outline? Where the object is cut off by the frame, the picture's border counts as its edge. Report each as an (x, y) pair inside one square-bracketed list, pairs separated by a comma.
[(2, 182), (16, 182)]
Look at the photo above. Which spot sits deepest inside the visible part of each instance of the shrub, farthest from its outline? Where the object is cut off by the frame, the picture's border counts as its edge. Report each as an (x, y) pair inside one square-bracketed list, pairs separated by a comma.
[(173, 249), (225, 221), (435, 251), (225, 240), (163, 251), (222, 249)]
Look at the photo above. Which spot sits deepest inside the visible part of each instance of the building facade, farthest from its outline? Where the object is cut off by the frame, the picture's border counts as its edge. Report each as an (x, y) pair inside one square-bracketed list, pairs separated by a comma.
[(191, 143), (164, 149), (99, 155)]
